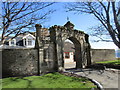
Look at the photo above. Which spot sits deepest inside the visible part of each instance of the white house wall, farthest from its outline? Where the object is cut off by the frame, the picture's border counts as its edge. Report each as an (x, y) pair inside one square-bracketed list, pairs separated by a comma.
[(69, 60), (33, 42), (11, 41)]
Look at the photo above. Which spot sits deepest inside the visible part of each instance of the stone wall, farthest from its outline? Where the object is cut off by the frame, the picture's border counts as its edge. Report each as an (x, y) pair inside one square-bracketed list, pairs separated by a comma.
[(16, 62), (0, 64), (24, 62), (48, 63), (102, 55)]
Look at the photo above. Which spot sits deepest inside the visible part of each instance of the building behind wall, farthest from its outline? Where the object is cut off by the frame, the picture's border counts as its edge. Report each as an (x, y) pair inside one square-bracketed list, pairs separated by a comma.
[(26, 40), (68, 52)]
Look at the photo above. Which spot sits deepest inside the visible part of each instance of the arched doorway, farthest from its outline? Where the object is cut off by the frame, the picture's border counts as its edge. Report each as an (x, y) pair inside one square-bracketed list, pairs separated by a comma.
[(69, 54), (76, 54), (58, 34)]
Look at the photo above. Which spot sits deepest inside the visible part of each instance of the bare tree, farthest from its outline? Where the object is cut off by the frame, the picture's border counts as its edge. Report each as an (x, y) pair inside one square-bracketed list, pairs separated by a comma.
[(99, 33), (106, 12), (17, 17)]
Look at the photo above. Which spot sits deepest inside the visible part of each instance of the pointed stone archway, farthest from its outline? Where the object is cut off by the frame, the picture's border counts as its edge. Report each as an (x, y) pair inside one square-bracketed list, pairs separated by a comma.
[(58, 34)]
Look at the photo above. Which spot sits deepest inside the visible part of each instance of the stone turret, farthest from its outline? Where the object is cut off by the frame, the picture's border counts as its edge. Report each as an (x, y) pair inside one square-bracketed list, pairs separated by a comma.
[(69, 25)]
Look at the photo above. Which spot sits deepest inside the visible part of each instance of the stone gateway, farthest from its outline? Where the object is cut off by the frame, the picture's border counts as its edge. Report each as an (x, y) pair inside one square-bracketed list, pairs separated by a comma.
[(48, 54), (57, 37)]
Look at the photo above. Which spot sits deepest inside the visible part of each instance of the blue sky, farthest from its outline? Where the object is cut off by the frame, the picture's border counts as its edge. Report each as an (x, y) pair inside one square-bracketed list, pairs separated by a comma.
[(81, 21)]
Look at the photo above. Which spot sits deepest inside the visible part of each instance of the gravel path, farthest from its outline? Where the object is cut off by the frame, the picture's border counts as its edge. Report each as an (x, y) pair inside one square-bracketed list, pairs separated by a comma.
[(107, 78)]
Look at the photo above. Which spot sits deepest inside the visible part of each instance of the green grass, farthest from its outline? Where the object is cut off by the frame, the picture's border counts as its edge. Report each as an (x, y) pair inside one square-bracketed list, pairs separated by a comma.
[(114, 62), (0, 84), (51, 80)]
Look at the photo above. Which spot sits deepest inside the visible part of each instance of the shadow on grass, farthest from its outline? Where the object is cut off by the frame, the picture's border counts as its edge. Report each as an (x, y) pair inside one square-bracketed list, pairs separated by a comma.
[(29, 82), (18, 79), (104, 66)]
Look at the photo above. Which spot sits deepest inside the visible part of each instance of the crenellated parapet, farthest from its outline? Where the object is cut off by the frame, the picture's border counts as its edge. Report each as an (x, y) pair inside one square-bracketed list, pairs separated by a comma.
[(66, 31)]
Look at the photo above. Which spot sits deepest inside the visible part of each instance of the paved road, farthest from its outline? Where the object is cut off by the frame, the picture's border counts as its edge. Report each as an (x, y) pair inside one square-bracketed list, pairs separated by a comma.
[(107, 78), (70, 65)]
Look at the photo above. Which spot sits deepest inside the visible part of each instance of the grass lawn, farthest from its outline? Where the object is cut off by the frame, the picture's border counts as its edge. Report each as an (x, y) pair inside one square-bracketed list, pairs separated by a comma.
[(51, 80), (114, 62), (0, 84)]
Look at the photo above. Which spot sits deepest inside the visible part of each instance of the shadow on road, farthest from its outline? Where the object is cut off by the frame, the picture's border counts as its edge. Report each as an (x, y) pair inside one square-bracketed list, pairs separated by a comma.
[(86, 71)]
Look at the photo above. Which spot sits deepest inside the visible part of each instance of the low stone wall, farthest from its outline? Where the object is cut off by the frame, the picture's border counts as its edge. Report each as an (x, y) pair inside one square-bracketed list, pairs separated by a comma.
[(17, 62), (102, 55), (23, 62)]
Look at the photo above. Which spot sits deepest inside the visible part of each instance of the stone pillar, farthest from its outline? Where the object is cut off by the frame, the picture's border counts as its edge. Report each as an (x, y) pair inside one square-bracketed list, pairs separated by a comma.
[(38, 46), (53, 40), (56, 38), (59, 47), (88, 55), (88, 47), (41, 59), (60, 56), (38, 35), (78, 56)]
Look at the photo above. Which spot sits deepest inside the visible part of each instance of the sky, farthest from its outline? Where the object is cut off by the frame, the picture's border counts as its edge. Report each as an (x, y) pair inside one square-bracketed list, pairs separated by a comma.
[(81, 21)]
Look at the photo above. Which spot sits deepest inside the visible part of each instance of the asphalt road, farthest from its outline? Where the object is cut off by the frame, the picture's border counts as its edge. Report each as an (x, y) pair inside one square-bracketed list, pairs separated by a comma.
[(70, 65), (108, 78)]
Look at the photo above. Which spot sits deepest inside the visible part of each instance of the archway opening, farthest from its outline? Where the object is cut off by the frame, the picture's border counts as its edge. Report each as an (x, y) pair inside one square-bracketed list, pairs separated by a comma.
[(72, 54), (69, 54)]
